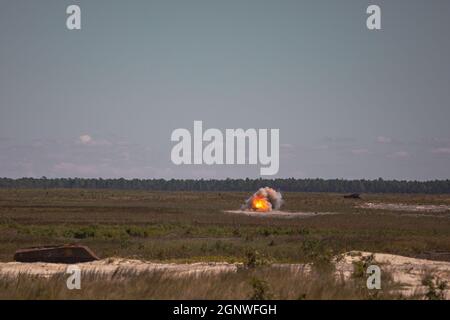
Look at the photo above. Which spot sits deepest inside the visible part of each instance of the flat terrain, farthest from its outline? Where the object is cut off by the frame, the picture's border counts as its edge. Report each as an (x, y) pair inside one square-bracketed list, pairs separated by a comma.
[(193, 227), (200, 245)]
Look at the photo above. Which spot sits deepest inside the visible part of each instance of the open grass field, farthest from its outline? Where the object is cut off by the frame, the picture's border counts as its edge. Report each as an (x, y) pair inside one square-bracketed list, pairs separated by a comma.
[(192, 226), (189, 227)]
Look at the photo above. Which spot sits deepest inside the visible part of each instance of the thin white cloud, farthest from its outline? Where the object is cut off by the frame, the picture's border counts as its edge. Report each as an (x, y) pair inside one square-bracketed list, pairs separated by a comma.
[(85, 139), (383, 139), (441, 151)]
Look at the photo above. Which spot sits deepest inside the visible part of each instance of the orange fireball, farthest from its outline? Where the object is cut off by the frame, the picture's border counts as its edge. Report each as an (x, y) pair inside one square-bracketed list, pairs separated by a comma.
[(261, 204)]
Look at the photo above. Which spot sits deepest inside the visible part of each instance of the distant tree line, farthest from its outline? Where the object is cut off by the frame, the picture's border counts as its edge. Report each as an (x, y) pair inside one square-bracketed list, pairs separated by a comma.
[(291, 184)]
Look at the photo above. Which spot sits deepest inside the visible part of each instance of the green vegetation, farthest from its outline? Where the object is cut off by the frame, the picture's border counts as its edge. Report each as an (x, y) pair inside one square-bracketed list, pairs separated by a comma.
[(286, 185), (360, 267), (435, 287), (261, 290), (192, 226)]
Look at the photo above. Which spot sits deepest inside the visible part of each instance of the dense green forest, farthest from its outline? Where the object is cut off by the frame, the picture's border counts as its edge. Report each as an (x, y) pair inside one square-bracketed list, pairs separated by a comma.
[(291, 184)]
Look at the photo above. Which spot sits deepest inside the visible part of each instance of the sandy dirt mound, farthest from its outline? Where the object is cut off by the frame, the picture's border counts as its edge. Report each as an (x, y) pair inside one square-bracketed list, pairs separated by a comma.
[(278, 214), (404, 270), (405, 207), (407, 271), (111, 266)]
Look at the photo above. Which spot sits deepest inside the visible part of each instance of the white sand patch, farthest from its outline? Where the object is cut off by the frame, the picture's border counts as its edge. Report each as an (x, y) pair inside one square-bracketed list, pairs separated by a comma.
[(278, 214), (404, 270), (109, 267), (405, 207), (407, 271)]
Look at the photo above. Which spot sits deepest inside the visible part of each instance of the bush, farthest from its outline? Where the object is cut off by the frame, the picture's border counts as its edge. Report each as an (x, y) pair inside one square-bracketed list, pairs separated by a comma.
[(436, 287), (83, 233), (137, 232), (261, 290), (254, 259), (360, 266)]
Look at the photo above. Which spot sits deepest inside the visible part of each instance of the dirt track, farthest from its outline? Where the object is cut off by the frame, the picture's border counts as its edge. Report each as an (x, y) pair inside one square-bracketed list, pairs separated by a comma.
[(405, 207), (278, 214)]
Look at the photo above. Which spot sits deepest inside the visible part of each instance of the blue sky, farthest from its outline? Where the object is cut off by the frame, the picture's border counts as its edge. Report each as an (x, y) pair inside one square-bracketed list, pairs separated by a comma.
[(103, 101)]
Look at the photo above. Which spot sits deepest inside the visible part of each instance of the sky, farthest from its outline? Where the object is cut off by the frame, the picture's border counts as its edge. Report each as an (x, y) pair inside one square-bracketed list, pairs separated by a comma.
[(103, 101)]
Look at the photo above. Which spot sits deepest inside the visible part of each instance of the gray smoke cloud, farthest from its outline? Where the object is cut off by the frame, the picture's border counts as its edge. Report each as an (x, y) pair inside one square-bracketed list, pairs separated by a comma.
[(265, 199)]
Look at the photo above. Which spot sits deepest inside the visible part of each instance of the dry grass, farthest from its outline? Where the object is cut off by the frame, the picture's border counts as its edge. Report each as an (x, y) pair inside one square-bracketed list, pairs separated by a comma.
[(259, 283)]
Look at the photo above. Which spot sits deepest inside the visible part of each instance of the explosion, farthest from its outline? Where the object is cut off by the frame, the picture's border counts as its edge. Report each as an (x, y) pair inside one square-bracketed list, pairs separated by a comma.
[(261, 204), (264, 200)]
